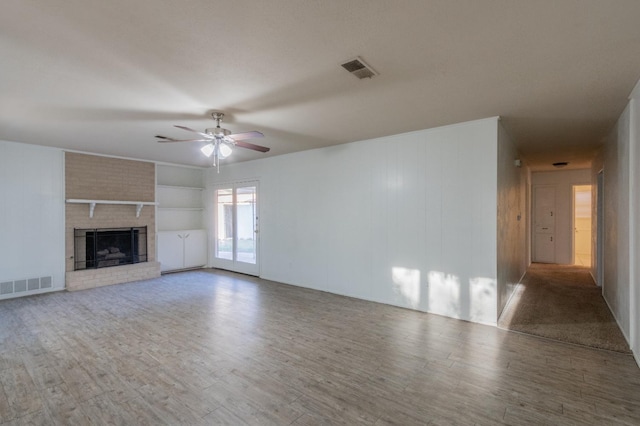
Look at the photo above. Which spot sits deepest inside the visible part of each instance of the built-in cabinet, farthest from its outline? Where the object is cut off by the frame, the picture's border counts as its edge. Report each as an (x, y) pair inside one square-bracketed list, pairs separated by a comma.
[(181, 237), (182, 249)]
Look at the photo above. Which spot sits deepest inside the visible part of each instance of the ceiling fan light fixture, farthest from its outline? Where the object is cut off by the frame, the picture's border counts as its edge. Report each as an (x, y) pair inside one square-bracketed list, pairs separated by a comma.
[(224, 150), (208, 149)]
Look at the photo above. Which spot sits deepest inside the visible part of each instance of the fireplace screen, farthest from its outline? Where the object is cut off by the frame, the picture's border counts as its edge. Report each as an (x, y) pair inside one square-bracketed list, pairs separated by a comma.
[(104, 247)]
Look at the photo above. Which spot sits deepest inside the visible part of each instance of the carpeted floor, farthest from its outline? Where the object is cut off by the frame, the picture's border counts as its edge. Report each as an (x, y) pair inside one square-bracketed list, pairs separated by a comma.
[(562, 302)]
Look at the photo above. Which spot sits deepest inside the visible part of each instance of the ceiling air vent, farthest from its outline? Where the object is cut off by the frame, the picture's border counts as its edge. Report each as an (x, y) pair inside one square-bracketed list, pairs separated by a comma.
[(359, 68)]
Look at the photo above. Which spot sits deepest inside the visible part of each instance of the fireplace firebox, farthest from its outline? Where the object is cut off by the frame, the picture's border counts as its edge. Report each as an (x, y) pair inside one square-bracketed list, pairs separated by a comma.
[(105, 247)]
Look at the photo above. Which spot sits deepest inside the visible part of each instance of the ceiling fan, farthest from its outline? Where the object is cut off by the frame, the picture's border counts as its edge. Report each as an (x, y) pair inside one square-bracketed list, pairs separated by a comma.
[(221, 141)]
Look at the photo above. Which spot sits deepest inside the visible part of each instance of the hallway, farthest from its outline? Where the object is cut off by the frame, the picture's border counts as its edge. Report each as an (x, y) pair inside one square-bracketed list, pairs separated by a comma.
[(562, 302)]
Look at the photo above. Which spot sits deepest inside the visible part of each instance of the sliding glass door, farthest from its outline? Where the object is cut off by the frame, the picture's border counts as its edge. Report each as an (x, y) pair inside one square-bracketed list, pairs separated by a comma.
[(236, 227)]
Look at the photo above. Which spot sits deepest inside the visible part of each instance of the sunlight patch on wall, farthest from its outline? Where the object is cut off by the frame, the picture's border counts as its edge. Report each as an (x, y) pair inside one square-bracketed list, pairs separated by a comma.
[(444, 294), (483, 299), (406, 282)]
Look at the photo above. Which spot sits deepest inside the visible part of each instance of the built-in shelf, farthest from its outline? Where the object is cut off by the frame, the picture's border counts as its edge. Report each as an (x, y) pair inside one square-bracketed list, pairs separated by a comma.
[(92, 204), (179, 194), (193, 209), (193, 188)]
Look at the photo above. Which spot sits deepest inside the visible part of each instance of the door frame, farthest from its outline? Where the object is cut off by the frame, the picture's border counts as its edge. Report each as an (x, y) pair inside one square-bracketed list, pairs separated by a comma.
[(600, 197), (234, 265)]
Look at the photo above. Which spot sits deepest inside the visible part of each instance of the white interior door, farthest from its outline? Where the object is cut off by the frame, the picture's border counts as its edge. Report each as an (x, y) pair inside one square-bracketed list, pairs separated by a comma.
[(544, 206), (236, 228)]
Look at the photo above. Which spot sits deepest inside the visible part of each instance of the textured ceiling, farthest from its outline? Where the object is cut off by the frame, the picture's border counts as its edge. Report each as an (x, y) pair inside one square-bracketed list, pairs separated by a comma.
[(106, 76)]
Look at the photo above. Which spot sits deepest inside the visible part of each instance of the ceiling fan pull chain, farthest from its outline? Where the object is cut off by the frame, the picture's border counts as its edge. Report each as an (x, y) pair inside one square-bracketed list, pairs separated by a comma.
[(216, 156)]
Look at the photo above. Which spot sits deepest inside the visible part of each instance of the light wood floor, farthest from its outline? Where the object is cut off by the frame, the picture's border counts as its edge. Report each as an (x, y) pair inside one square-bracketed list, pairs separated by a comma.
[(217, 348)]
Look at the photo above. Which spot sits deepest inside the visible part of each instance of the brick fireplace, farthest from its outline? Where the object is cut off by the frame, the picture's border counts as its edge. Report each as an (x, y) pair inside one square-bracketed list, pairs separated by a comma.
[(91, 177)]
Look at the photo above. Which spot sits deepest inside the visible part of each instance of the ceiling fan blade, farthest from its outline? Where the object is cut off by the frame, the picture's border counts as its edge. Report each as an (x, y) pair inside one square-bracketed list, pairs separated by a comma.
[(248, 145), (209, 137), (245, 135), (168, 139)]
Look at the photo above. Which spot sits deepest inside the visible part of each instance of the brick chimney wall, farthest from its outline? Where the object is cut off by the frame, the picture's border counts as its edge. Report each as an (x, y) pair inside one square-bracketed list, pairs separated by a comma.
[(94, 177)]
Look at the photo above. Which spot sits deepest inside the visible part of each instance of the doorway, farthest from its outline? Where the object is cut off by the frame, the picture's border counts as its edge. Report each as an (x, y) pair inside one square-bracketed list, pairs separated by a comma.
[(582, 225), (236, 228)]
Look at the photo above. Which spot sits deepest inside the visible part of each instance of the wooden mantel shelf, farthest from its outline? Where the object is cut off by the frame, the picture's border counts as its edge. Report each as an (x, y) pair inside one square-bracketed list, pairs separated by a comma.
[(93, 203)]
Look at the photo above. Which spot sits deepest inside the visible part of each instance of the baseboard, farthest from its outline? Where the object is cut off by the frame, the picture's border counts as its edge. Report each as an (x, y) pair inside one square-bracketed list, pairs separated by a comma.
[(624, 334), (523, 274), (506, 305), (518, 284), (515, 289)]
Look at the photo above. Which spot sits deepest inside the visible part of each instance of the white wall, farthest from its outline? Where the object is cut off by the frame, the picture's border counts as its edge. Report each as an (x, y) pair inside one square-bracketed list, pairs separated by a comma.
[(597, 164), (620, 160), (31, 213), (564, 182), (407, 220), (616, 289), (512, 212), (634, 191)]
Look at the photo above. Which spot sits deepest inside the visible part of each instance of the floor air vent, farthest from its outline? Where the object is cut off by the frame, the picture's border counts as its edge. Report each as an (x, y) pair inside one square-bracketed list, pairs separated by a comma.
[(28, 284)]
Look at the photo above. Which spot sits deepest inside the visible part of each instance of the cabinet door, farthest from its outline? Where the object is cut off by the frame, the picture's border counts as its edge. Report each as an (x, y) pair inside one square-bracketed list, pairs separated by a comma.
[(170, 250), (195, 248)]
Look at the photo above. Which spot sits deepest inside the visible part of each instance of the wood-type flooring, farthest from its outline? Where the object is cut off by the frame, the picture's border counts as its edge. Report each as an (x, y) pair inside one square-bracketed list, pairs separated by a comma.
[(209, 347)]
